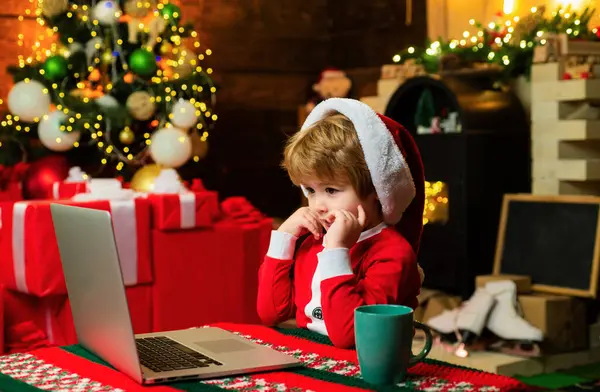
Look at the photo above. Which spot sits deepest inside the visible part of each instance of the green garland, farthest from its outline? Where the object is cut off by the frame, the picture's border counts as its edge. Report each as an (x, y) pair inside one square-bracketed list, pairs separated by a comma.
[(507, 44)]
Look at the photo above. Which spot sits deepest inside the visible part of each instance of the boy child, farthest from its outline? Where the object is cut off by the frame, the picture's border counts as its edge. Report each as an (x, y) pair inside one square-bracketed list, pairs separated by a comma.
[(363, 177)]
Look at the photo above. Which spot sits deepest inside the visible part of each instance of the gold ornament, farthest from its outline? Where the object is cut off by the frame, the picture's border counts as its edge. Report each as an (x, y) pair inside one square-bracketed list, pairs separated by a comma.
[(185, 64), (138, 8), (199, 147), (137, 13), (52, 8), (143, 179), (141, 105), (126, 136)]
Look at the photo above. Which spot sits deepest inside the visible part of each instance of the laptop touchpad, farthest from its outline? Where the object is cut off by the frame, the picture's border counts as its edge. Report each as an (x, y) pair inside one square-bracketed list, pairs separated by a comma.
[(224, 346)]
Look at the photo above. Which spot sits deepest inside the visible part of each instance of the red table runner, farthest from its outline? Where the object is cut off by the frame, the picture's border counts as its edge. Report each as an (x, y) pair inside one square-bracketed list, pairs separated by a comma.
[(326, 369)]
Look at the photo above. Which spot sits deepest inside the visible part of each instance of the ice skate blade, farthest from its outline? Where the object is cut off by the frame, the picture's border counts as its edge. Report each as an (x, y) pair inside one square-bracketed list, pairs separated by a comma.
[(520, 349), (458, 348), (450, 337)]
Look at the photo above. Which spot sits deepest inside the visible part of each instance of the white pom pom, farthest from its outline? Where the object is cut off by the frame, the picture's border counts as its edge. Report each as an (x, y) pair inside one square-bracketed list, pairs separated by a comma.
[(168, 182)]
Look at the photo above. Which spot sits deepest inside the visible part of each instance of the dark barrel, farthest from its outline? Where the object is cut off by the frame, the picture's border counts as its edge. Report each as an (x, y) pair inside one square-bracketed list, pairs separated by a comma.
[(483, 158)]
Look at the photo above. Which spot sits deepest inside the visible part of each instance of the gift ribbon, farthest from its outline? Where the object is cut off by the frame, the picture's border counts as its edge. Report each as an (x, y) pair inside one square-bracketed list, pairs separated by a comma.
[(56, 190), (18, 245), (123, 214), (187, 203), (240, 210), (49, 328), (125, 228)]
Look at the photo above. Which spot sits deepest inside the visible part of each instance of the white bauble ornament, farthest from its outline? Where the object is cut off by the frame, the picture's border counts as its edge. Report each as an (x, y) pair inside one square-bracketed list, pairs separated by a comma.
[(183, 115), (52, 137), (29, 100), (170, 147), (107, 102), (106, 12)]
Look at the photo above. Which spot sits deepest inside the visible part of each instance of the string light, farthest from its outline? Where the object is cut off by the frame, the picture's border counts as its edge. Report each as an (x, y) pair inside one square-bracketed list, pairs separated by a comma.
[(436, 203), (507, 42)]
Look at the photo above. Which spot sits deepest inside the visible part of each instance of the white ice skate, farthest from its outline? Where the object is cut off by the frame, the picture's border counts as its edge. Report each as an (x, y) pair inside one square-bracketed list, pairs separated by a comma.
[(444, 325), (459, 328), (518, 335), (471, 320)]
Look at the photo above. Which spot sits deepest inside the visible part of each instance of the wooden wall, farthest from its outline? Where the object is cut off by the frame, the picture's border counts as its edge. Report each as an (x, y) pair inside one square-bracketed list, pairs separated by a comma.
[(266, 54)]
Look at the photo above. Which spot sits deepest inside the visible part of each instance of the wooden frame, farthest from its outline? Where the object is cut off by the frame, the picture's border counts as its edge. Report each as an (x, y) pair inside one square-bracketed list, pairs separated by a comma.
[(540, 288)]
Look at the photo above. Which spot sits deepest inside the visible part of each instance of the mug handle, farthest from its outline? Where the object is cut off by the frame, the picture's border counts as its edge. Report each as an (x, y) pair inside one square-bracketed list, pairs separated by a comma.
[(428, 342)]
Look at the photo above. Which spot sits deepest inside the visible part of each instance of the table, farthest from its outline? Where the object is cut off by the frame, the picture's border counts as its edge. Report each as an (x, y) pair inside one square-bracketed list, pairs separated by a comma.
[(71, 368)]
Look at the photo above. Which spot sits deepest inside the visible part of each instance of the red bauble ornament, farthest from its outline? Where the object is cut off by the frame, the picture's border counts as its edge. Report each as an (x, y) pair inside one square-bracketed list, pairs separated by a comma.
[(42, 174)]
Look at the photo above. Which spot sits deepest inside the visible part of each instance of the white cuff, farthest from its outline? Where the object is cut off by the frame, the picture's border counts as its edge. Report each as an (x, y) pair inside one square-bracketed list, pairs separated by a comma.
[(282, 245), (334, 262)]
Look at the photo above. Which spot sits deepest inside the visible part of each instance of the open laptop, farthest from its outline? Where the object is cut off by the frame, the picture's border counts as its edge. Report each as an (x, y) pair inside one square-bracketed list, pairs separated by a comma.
[(101, 315)]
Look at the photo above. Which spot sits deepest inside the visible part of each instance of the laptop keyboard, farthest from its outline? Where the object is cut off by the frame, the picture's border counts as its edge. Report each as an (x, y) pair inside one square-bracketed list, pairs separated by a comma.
[(162, 354)]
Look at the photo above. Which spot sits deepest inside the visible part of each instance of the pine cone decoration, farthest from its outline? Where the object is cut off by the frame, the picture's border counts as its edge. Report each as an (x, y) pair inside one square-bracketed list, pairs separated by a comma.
[(527, 26)]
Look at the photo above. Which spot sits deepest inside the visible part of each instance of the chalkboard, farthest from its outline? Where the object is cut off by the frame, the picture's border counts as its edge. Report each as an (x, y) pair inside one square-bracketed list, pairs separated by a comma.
[(553, 239)]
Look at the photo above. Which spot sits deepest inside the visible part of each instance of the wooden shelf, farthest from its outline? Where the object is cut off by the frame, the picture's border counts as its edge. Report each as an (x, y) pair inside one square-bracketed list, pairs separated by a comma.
[(566, 129), (567, 170), (566, 90)]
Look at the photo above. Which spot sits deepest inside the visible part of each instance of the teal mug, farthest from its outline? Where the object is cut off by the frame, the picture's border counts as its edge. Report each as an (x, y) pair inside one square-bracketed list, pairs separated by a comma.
[(384, 335)]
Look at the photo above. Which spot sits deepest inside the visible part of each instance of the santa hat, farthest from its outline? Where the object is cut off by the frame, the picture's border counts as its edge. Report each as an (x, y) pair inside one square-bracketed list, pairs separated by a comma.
[(393, 160), (331, 73)]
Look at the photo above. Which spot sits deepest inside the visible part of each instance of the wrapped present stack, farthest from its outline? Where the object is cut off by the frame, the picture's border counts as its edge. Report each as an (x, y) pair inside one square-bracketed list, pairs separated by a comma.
[(392, 77), (186, 259)]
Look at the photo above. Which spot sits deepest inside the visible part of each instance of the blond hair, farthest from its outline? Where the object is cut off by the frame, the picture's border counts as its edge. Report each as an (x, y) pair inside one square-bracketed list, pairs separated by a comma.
[(329, 150)]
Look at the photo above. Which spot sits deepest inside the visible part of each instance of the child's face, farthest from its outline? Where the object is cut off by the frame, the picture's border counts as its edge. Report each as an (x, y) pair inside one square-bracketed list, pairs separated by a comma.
[(325, 197)]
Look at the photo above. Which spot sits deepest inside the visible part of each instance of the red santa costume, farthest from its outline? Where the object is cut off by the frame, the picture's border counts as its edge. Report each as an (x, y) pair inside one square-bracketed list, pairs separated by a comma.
[(322, 287)]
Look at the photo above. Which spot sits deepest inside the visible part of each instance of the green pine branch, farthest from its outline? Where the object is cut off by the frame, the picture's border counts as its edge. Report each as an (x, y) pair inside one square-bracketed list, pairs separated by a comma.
[(513, 55)]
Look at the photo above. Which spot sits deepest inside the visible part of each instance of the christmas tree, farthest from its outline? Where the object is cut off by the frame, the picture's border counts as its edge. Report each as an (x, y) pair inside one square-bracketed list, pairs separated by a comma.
[(121, 77), (425, 112)]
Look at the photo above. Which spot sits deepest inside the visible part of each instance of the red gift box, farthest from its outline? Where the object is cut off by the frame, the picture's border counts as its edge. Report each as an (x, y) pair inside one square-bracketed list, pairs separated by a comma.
[(189, 279), (244, 236), (185, 210), (2, 346), (216, 267), (33, 322), (243, 248), (12, 192), (29, 257), (11, 178), (66, 190)]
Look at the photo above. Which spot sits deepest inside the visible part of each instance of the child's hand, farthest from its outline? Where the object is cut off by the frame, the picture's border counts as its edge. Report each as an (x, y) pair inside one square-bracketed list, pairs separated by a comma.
[(302, 221), (346, 228)]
